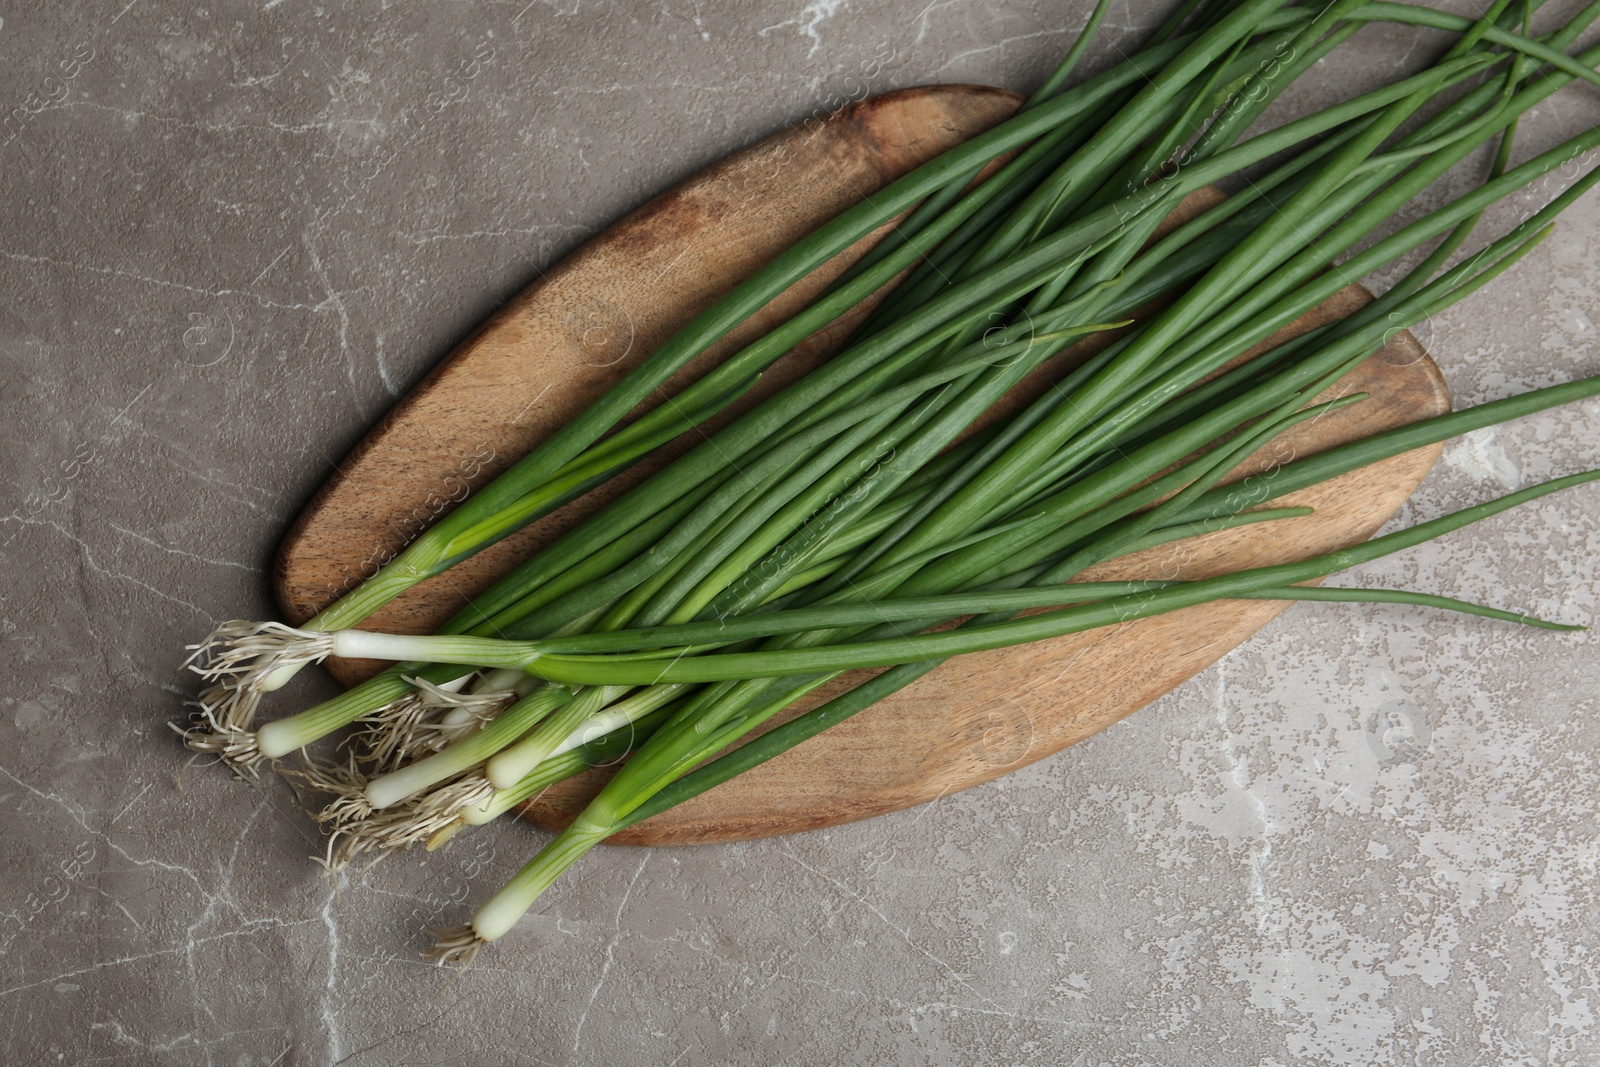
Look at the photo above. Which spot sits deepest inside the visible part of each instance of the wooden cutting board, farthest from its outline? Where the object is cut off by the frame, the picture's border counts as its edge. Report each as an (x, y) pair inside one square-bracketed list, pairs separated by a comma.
[(561, 342)]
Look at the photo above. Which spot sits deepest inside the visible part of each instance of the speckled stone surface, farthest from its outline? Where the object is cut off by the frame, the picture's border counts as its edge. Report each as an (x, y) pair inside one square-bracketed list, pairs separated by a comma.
[(233, 234)]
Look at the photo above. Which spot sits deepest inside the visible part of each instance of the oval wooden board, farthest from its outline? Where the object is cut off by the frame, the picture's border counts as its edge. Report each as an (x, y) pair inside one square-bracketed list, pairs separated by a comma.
[(565, 339)]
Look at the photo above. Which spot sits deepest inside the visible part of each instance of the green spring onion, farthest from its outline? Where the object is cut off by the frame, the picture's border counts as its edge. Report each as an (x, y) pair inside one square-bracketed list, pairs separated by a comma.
[(840, 522)]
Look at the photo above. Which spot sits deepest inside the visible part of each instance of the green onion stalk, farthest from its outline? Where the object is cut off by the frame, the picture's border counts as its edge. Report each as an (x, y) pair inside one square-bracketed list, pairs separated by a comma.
[(595, 445), (542, 588), (537, 656), (500, 759), (228, 707), (663, 759), (723, 631), (320, 719), (243, 659), (656, 765), (838, 523)]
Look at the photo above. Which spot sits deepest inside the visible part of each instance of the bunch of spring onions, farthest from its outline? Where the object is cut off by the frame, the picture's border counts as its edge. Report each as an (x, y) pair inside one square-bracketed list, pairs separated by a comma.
[(844, 522)]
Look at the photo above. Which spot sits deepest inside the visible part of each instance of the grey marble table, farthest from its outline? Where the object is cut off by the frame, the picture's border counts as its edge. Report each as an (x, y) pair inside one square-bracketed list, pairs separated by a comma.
[(234, 234)]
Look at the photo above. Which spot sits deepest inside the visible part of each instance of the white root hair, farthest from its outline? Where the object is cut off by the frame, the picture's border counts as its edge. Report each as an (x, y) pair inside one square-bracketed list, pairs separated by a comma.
[(436, 734), (422, 723), (458, 945), (242, 653), (416, 821), (344, 782), (383, 742), (438, 696), (229, 707), (220, 726)]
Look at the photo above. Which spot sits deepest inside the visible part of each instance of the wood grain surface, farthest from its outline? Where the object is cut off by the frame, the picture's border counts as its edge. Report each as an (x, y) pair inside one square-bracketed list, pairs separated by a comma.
[(564, 340)]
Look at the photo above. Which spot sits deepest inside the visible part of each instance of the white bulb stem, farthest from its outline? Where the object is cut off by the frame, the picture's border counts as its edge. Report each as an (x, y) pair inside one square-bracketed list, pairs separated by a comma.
[(511, 765), (488, 813), (456, 685), (508, 768), (501, 912), (506, 727), (596, 727), (458, 717), (279, 678), (616, 717), (280, 737), (363, 644), (500, 679), (389, 789)]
